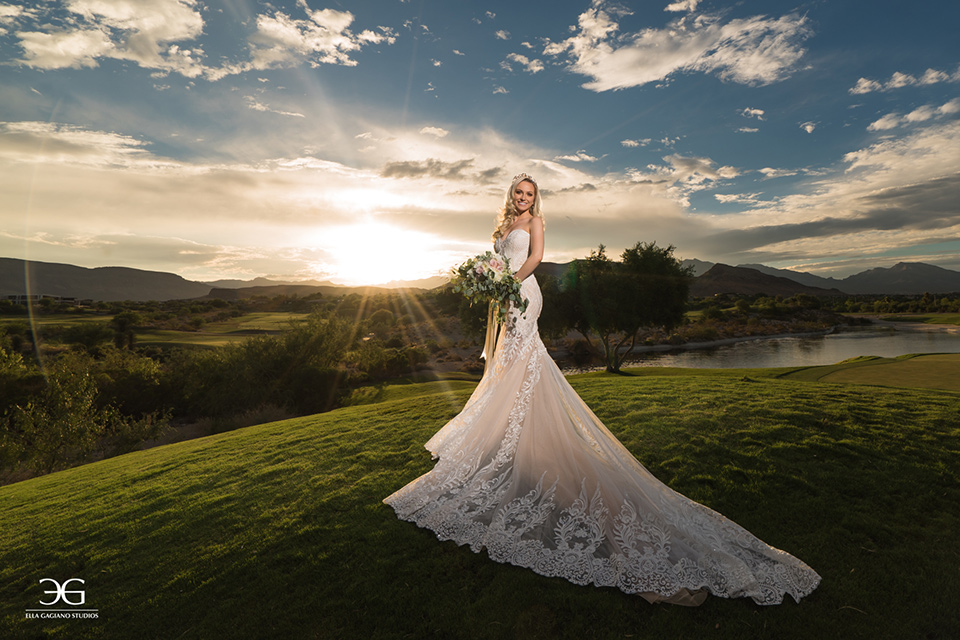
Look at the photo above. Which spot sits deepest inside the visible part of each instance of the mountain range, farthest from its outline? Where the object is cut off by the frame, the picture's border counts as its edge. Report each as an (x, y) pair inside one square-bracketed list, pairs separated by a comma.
[(123, 283), (903, 278), (111, 284)]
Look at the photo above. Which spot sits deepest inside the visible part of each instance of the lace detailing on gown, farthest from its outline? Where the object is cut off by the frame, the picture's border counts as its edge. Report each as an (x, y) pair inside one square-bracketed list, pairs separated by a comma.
[(529, 473)]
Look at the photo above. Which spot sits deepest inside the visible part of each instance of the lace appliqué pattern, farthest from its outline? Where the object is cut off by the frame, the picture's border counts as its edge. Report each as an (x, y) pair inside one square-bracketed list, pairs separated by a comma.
[(652, 541)]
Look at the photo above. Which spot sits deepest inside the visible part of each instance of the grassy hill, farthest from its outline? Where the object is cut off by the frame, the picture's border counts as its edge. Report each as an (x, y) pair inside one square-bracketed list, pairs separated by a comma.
[(278, 531)]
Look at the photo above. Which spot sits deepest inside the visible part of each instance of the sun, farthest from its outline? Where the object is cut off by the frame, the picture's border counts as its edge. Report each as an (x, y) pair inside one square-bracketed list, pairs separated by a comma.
[(376, 253)]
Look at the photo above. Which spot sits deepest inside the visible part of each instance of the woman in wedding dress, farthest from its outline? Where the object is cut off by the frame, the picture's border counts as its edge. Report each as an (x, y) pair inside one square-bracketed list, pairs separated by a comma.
[(528, 472)]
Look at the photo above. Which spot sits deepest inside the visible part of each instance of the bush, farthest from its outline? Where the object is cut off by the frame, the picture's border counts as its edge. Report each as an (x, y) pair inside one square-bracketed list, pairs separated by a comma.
[(65, 421), (89, 336), (296, 370)]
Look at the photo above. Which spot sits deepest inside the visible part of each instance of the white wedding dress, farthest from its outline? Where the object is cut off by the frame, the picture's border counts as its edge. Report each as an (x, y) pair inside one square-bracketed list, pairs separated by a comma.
[(528, 472)]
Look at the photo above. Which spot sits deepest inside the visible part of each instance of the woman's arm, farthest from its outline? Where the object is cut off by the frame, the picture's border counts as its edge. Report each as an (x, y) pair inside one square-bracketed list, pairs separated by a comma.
[(536, 250)]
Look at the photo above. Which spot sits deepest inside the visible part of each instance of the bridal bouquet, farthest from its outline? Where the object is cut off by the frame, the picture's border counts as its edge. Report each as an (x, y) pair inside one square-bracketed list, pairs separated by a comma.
[(488, 277)]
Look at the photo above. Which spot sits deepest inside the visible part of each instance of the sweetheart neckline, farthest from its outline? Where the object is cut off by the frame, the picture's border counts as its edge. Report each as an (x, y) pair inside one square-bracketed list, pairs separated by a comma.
[(504, 238)]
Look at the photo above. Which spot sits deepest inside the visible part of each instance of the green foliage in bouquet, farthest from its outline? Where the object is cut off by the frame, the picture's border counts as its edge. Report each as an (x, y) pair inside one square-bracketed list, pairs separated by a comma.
[(488, 277)]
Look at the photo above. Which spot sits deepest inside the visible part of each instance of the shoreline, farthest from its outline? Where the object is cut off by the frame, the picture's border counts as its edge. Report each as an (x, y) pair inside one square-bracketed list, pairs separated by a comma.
[(876, 324)]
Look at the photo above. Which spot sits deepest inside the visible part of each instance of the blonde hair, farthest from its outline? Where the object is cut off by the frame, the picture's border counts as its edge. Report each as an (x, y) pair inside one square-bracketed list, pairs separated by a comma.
[(508, 212)]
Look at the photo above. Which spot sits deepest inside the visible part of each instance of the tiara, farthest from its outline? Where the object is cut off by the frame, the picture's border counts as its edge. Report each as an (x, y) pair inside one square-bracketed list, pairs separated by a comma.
[(520, 177)]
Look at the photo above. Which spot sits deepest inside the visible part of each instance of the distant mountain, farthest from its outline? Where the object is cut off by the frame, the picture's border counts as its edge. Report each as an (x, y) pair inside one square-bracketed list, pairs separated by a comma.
[(101, 283), (300, 290), (904, 278), (122, 283), (699, 266), (423, 283), (799, 276), (558, 269), (264, 282), (722, 278), (554, 269)]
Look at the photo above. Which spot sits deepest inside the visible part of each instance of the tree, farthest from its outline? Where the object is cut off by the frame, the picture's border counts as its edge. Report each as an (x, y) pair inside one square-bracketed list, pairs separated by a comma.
[(614, 300), (123, 325), (88, 335)]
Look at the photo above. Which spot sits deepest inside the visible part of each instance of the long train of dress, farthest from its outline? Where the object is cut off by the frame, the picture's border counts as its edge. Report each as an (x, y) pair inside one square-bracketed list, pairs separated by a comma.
[(527, 471)]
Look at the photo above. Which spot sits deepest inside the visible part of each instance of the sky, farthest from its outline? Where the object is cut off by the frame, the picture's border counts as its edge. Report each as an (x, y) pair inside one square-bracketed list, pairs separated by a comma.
[(369, 141)]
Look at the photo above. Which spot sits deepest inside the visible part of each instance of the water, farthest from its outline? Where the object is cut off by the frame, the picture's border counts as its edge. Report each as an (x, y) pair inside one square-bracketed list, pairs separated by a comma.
[(808, 351)]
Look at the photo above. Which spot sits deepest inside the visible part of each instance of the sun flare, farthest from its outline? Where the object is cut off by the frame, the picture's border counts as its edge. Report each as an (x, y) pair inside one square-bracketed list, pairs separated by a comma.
[(376, 253)]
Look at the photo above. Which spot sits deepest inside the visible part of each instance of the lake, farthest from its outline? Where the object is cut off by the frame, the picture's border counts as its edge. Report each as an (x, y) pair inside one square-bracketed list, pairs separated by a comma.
[(886, 341)]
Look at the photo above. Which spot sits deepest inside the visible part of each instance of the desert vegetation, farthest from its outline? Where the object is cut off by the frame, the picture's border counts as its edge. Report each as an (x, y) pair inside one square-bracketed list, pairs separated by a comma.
[(83, 383)]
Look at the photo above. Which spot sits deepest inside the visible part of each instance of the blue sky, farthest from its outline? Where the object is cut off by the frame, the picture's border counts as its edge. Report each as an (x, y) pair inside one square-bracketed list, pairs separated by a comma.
[(373, 141)]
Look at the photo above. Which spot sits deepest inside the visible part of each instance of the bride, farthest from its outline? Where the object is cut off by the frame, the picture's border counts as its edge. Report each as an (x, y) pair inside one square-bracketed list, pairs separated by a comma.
[(528, 472)]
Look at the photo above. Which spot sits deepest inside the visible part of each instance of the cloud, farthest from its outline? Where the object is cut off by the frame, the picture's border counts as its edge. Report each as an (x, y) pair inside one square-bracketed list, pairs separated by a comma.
[(933, 76), (500, 90), (737, 198), (681, 176), (949, 108), (64, 49), (693, 170), (502, 35), (889, 121), (84, 183), (748, 130), (144, 33), (808, 126), (920, 114), (323, 38), (753, 51), (156, 34), (434, 131), (42, 142), (635, 143), (682, 5), (897, 193), (769, 172), (9, 13), (254, 104), (752, 113), (579, 156), (532, 66), (431, 167), (865, 86), (899, 79)]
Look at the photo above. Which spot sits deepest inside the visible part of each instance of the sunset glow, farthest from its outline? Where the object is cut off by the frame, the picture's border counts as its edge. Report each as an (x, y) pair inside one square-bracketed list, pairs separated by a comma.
[(376, 253), (170, 135)]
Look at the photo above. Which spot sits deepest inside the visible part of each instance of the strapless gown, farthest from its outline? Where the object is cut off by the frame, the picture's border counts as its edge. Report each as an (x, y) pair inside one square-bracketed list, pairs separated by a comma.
[(529, 473)]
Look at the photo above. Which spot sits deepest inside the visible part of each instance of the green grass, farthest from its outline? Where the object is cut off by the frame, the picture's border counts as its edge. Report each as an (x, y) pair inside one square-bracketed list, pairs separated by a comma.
[(218, 334), (65, 319), (213, 334), (257, 322), (278, 531), (188, 339), (930, 371), (926, 318)]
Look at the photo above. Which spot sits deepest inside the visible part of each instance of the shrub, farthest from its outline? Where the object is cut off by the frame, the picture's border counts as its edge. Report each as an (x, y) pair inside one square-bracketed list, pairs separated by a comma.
[(296, 370), (65, 422)]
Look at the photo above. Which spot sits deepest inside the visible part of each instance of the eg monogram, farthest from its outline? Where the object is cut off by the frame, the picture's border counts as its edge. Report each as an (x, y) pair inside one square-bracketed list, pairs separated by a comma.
[(61, 592)]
